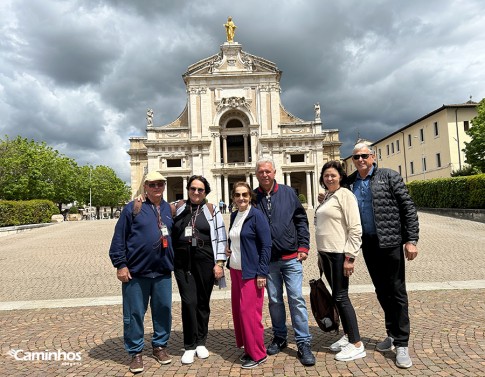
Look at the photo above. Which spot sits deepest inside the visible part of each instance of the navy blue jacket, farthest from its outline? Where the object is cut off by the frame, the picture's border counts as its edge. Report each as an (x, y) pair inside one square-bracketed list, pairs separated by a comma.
[(136, 241), (287, 219), (255, 242)]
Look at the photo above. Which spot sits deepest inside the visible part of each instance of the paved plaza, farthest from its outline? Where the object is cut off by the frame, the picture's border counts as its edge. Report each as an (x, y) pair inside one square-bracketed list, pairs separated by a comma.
[(59, 294)]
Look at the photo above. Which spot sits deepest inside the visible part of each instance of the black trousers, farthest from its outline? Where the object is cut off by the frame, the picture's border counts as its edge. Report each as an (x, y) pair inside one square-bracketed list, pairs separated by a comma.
[(333, 268), (195, 289), (387, 270)]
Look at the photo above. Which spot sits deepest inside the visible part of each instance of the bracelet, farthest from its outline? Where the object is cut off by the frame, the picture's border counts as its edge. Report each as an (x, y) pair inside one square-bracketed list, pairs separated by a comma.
[(349, 259), (220, 263)]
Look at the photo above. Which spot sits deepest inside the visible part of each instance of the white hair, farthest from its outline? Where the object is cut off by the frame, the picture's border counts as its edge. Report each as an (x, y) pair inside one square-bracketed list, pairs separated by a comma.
[(265, 160), (359, 146)]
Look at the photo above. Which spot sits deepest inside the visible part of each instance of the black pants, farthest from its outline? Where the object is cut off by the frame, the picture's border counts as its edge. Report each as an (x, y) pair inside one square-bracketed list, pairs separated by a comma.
[(387, 270), (333, 268), (195, 289)]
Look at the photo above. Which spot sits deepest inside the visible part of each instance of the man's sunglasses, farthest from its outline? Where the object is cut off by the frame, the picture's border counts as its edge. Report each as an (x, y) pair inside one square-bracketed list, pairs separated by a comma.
[(157, 184), (364, 156)]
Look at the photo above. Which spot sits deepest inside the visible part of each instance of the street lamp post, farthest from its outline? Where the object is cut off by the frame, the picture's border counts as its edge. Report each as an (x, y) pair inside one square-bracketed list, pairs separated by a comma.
[(90, 208), (458, 138)]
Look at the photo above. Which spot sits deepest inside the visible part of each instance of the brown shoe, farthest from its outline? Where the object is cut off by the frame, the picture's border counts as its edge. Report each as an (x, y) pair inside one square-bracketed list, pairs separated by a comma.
[(161, 355), (136, 365)]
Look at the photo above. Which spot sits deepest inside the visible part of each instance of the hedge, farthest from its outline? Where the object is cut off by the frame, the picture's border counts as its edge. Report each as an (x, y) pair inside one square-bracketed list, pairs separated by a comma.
[(26, 212), (458, 192)]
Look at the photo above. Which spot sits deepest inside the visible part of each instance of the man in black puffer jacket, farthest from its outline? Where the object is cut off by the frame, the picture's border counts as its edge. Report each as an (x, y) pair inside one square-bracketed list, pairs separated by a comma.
[(389, 221)]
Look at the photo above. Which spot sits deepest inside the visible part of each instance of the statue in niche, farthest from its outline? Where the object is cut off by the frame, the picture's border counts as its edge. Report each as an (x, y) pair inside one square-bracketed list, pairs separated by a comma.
[(230, 29), (149, 117), (317, 110)]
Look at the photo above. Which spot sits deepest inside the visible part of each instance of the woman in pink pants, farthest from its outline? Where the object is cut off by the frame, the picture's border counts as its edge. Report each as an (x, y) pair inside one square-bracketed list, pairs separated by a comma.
[(249, 252)]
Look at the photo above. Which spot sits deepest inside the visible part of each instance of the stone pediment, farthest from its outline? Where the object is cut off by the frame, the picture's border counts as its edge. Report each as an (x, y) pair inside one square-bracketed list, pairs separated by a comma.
[(231, 59)]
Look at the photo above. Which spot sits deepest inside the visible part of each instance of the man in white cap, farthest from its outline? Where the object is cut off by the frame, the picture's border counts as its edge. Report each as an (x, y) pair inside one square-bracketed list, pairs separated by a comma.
[(141, 251)]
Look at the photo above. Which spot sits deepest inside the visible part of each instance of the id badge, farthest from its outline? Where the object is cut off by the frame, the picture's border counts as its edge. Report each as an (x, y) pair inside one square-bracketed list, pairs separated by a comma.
[(194, 241), (188, 231), (164, 231), (165, 242)]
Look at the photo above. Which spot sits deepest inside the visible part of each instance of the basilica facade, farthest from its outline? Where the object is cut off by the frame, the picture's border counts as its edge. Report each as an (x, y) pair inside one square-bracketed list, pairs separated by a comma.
[(233, 117)]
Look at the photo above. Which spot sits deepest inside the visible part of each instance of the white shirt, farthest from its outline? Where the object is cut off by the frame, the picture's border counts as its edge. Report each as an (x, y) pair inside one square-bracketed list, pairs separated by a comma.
[(235, 237)]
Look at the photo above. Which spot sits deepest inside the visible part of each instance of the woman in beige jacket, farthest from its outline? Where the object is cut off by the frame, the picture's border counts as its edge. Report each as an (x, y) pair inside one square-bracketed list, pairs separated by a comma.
[(338, 236)]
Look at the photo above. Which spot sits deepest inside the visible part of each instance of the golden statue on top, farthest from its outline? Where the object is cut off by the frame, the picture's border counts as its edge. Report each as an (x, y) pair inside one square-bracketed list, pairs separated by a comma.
[(230, 29)]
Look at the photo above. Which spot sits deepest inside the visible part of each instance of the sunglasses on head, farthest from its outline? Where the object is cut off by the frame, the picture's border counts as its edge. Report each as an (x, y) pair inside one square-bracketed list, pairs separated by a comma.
[(197, 189), (156, 184), (243, 194), (364, 156)]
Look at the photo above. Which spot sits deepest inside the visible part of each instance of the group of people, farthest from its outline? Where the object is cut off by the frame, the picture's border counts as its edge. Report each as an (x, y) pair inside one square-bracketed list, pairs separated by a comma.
[(268, 238)]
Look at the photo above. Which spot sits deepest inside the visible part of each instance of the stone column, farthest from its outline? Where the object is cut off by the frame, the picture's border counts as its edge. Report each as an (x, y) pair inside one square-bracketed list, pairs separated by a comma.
[(255, 181), (309, 191), (288, 179), (184, 183), (246, 159), (217, 144), (248, 180), (226, 189), (254, 152), (217, 178), (224, 148)]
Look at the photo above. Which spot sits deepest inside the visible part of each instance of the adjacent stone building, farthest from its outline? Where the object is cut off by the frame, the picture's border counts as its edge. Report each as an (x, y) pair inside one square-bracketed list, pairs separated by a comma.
[(233, 116), (429, 147)]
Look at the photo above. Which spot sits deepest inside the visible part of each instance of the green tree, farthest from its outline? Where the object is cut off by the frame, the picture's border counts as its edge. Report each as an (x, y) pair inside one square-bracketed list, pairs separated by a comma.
[(474, 150), (31, 170), (106, 188)]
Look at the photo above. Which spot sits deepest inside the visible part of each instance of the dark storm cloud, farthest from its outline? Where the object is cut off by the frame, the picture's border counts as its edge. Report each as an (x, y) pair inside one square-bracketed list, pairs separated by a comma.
[(80, 75)]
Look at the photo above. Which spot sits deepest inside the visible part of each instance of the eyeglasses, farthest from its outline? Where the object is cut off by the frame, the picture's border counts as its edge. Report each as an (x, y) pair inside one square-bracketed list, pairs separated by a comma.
[(243, 194), (197, 189), (158, 184), (364, 156)]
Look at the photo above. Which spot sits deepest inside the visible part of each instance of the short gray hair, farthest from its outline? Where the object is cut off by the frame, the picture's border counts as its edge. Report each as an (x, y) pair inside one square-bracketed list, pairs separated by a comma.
[(265, 160), (359, 146)]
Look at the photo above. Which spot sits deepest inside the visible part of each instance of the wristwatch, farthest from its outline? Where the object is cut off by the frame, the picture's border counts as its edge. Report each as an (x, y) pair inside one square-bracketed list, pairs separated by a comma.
[(413, 242)]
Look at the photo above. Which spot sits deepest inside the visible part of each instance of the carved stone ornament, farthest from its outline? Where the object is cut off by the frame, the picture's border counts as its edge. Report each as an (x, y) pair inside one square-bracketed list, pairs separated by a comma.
[(197, 90), (233, 102), (247, 61), (216, 63)]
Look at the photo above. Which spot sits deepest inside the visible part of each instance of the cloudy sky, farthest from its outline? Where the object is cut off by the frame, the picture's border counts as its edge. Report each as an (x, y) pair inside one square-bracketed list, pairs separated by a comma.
[(80, 74)]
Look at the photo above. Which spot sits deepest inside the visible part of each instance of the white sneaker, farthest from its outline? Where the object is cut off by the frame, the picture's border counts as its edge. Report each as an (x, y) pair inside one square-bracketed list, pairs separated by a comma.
[(351, 352), (202, 352), (403, 360), (188, 357), (339, 344)]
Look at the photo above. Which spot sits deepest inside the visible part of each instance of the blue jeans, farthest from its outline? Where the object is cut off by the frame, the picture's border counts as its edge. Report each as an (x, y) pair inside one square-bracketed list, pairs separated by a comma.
[(291, 273), (136, 295)]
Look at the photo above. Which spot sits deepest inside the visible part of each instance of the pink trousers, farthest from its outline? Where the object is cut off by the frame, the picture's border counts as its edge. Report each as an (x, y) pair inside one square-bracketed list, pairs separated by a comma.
[(247, 314)]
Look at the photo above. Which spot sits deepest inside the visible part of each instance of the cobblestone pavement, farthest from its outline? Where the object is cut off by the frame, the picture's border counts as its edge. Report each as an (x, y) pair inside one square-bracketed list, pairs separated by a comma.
[(62, 276)]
